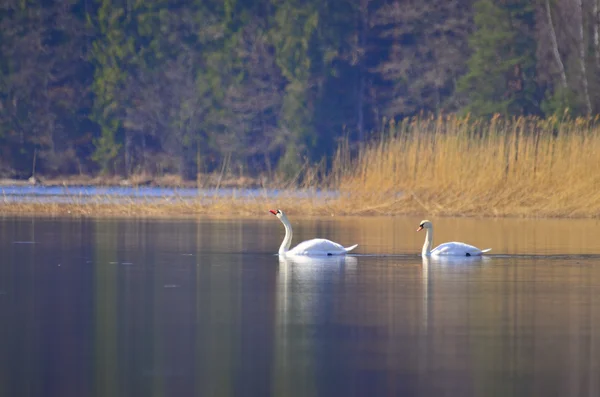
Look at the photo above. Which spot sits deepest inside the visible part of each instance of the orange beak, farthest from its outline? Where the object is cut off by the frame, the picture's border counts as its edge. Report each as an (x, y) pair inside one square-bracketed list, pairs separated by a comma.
[(273, 212), (420, 228)]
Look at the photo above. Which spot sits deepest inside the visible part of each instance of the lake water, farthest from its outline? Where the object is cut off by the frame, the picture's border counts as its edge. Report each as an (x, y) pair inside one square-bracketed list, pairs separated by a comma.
[(116, 194), (202, 307)]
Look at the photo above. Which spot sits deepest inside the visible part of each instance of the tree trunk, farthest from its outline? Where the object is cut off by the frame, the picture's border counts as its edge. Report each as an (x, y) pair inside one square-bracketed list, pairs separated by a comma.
[(360, 105), (596, 35), (364, 25), (581, 44), (559, 62), (128, 145)]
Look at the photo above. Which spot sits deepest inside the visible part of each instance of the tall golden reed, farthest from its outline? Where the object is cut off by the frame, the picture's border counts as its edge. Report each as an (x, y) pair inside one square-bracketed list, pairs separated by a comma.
[(449, 165)]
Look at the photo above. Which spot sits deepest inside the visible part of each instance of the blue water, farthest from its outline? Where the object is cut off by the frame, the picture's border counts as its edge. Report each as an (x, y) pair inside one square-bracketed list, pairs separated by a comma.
[(117, 193), (141, 307)]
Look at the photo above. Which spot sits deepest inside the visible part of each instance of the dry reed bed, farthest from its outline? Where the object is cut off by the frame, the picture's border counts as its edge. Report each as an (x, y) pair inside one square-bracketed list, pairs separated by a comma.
[(431, 166), (457, 166)]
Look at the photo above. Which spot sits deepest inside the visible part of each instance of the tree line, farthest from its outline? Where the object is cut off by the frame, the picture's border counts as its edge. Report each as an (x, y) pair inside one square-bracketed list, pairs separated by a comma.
[(265, 86)]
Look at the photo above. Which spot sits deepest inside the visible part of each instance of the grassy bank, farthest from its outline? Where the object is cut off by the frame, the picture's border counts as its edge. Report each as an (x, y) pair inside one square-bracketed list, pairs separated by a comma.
[(436, 166), (227, 206)]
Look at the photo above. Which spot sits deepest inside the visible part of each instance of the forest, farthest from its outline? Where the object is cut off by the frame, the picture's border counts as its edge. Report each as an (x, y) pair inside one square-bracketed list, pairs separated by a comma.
[(263, 87)]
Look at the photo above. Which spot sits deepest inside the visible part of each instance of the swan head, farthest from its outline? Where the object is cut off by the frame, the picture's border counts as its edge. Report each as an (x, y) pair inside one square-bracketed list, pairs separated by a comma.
[(287, 240), (278, 213), (424, 225)]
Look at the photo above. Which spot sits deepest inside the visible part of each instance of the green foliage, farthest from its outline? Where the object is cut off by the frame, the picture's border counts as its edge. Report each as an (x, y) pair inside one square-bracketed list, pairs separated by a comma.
[(110, 54), (501, 69), (562, 102), (183, 87), (107, 148), (294, 24)]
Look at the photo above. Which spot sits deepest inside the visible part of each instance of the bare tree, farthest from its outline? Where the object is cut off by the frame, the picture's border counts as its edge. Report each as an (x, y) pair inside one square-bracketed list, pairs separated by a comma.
[(596, 27), (581, 46), (363, 15), (555, 51)]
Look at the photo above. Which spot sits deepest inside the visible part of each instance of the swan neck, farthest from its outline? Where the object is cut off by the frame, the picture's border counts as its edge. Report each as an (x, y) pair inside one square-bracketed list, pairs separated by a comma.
[(287, 240), (428, 242)]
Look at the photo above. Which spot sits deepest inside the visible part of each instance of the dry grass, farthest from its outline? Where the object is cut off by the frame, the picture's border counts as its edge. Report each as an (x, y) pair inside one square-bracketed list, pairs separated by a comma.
[(226, 206), (431, 166), (456, 166)]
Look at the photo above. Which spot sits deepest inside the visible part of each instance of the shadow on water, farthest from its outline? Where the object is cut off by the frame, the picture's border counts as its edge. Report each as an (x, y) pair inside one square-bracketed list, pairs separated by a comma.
[(140, 307)]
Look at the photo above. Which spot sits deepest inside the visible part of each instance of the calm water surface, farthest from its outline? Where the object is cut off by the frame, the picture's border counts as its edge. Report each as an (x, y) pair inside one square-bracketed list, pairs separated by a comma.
[(203, 308), (116, 194)]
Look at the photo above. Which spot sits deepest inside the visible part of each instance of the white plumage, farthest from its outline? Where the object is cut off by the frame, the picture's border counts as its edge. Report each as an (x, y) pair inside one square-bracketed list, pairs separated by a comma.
[(314, 247), (446, 249)]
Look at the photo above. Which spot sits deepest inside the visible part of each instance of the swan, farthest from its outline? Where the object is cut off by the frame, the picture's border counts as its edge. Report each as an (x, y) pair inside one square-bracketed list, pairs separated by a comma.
[(446, 249), (314, 247)]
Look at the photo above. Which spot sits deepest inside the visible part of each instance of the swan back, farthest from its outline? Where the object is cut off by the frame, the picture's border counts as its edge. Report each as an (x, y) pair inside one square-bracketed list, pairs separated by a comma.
[(456, 249), (319, 247)]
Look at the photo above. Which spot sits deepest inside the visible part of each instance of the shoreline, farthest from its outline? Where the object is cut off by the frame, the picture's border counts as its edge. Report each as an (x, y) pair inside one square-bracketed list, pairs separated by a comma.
[(251, 207), (205, 181)]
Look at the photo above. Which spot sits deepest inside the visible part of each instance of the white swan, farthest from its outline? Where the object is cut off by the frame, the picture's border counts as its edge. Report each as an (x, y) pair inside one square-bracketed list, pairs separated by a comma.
[(314, 247), (446, 249)]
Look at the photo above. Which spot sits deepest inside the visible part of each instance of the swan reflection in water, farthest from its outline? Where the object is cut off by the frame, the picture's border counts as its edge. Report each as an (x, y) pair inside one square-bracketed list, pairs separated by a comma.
[(304, 283), (438, 268), (456, 260), (317, 261), (309, 291)]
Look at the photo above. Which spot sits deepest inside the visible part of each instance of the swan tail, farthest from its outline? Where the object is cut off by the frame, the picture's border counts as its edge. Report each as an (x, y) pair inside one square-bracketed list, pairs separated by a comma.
[(486, 250), (348, 249)]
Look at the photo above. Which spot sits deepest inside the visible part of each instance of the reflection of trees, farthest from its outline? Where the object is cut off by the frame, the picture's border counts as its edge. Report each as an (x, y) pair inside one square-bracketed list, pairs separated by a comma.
[(106, 346), (234, 312), (511, 327), (216, 336), (42, 312), (183, 316), (20, 327)]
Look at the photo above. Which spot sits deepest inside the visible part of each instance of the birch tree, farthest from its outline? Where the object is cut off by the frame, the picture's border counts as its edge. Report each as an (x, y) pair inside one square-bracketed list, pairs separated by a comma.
[(582, 59), (555, 51)]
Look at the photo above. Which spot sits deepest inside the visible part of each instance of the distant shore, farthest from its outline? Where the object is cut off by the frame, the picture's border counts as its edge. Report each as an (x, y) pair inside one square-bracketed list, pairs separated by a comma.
[(445, 166), (230, 204), (168, 181), (233, 203), (231, 199)]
